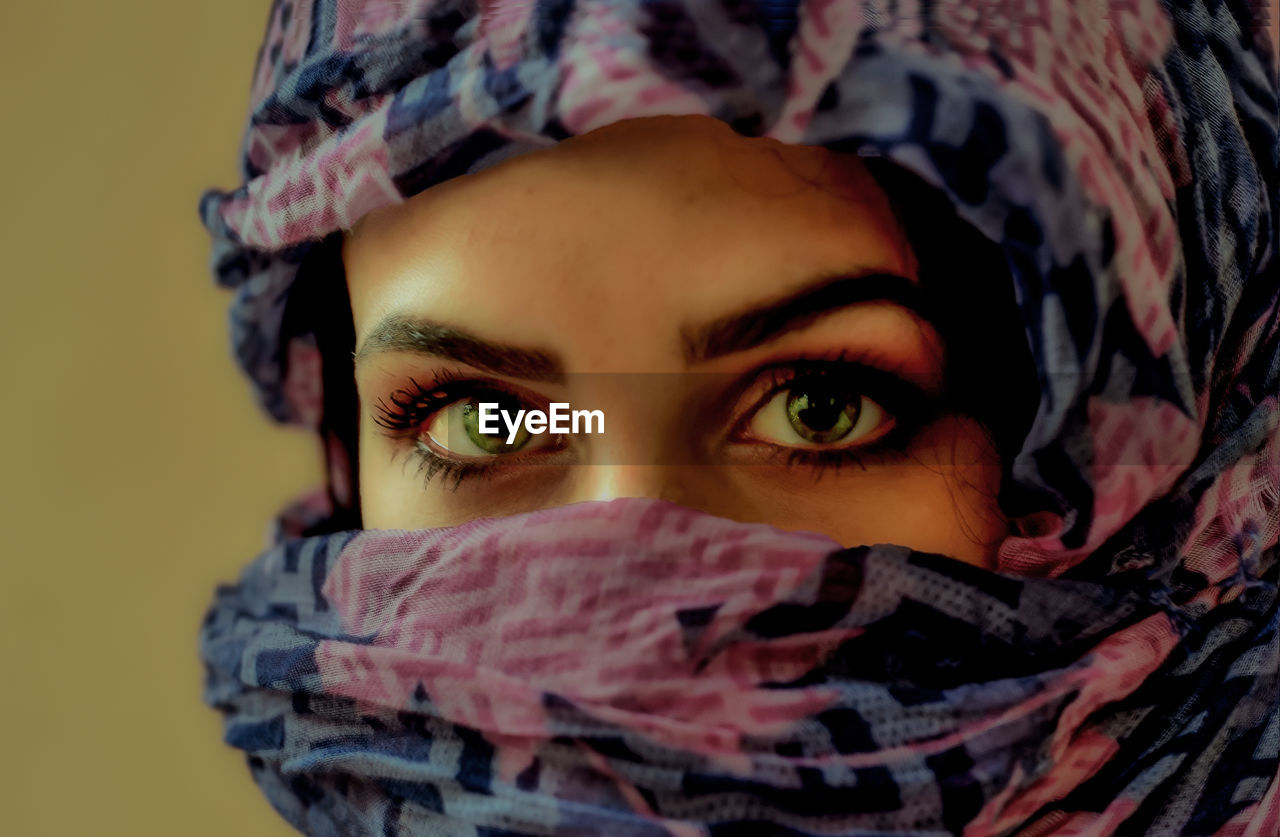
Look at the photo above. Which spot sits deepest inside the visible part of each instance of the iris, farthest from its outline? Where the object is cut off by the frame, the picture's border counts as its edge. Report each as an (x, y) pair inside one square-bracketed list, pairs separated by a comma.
[(820, 412)]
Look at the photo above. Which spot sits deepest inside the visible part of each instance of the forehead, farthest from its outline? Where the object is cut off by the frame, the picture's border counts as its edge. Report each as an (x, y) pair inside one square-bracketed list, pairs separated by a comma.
[(699, 216), (670, 160)]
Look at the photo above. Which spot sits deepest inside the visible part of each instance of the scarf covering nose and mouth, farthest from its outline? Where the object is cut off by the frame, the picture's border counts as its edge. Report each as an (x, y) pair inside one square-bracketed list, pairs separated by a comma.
[(633, 667)]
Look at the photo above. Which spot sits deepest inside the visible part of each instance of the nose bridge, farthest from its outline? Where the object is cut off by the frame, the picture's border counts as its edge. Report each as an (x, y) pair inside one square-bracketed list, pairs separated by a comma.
[(644, 435), (611, 481), (624, 461)]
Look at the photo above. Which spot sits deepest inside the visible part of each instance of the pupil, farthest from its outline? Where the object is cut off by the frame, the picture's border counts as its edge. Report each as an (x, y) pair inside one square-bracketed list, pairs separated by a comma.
[(495, 442), (820, 407), (471, 410), (821, 410)]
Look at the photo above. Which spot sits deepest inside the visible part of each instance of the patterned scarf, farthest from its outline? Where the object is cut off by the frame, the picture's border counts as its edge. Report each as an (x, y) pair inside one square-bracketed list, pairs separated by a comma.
[(637, 668)]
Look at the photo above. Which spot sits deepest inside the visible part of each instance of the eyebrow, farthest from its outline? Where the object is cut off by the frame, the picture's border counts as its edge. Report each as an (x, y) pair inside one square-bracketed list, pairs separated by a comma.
[(826, 295), (400, 332)]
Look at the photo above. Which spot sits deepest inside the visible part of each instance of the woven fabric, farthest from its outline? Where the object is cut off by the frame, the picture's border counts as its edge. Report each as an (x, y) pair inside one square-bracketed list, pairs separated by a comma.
[(1118, 674)]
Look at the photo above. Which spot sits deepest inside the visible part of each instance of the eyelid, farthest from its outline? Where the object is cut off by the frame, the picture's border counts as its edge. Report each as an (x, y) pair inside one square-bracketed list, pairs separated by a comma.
[(540, 443), (885, 334), (415, 402), (905, 402), (431, 458)]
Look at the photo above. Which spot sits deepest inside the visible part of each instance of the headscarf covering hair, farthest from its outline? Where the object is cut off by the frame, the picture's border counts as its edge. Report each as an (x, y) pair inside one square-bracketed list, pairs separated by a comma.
[(597, 669)]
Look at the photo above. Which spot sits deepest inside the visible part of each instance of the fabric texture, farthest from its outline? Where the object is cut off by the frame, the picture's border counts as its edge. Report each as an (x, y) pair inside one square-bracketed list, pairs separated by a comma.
[(637, 668)]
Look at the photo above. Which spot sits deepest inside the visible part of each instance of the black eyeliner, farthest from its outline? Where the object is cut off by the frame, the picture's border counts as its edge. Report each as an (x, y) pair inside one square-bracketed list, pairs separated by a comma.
[(910, 406)]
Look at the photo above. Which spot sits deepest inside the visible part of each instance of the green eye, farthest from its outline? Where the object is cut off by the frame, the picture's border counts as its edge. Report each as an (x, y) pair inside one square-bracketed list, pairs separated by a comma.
[(821, 413), (492, 442), (456, 428)]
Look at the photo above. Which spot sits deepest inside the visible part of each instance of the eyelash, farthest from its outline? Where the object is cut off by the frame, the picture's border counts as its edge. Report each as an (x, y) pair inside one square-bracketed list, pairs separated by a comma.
[(417, 403), (909, 406), (413, 405)]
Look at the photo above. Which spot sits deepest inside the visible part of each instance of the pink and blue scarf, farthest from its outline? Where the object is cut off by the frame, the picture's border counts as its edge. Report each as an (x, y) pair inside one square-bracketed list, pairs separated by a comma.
[(637, 668)]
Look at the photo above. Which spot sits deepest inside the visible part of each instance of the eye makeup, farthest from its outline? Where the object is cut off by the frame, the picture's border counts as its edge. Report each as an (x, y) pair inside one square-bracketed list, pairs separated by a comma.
[(411, 411), (894, 407), (901, 408)]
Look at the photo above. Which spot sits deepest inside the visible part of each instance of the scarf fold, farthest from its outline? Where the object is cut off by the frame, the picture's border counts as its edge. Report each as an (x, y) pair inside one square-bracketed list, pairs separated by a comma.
[(636, 668)]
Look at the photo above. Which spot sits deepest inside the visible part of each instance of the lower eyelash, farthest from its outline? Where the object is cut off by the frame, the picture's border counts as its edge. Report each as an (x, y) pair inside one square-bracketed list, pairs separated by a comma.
[(909, 407), (431, 463), (889, 448), (819, 461)]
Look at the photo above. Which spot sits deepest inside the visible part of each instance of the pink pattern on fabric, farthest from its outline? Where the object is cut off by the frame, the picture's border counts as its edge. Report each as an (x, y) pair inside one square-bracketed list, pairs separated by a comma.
[(302, 386), (1089, 823), (583, 602), (518, 611), (1117, 666), (287, 205), (607, 75), (477, 622), (1073, 67), (503, 25), (273, 142), (1089, 77), (1097, 71), (1142, 447), (1244, 498), (1261, 819), (827, 32), (292, 42)]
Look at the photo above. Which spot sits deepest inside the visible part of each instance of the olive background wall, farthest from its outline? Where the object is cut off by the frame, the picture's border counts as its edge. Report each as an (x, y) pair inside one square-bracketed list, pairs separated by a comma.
[(136, 472)]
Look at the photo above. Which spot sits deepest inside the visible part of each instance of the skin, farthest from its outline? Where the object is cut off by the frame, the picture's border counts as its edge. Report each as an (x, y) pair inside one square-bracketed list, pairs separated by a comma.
[(605, 254)]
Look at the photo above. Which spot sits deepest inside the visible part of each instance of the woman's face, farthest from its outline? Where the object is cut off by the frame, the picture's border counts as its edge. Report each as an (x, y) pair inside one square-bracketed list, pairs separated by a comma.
[(739, 311)]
